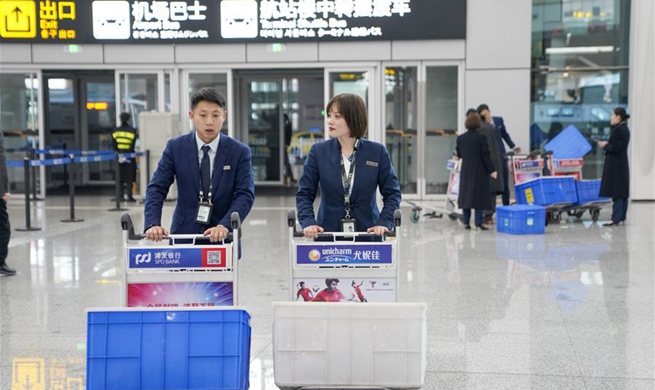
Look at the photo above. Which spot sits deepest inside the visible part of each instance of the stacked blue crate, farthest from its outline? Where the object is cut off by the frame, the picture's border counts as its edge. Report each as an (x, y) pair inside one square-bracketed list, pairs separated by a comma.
[(521, 219), (589, 191), (570, 143), (138, 348), (545, 191)]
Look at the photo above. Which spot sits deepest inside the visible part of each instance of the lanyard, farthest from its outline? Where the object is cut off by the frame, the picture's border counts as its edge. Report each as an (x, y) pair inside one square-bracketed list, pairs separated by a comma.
[(346, 180)]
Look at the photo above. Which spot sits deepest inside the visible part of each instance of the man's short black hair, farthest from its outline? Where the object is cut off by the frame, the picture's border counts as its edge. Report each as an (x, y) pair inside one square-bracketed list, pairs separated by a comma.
[(125, 117), (470, 111), (482, 107), (207, 95)]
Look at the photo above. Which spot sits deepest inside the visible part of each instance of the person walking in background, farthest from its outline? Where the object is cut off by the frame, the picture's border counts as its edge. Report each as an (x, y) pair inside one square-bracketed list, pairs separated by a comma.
[(476, 170), (288, 134), (5, 228), (615, 183), (502, 136), (124, 139), (497, 186)]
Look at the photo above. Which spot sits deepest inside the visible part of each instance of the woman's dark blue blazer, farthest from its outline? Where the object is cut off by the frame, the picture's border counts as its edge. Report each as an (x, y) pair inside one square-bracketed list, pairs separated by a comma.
[(373, 170)]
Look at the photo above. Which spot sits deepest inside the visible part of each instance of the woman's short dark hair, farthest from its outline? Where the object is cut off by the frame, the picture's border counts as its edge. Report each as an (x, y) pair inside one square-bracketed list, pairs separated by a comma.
[(473, 121), (620, 111), (207, 95), (353, 110)]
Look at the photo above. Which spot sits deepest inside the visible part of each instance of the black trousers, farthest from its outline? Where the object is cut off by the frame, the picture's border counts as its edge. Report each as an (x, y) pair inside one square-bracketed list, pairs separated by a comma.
[(505, 184), (619, 209), (5, 231)]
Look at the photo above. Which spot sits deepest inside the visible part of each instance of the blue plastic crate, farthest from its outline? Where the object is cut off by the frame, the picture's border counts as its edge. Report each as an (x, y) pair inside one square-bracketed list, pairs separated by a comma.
[(138, 349), (545, 191), (588, 191), (570, 143), (521, 219)]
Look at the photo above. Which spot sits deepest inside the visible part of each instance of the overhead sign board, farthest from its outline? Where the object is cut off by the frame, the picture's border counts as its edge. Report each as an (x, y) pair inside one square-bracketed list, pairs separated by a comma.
[(223, 21)]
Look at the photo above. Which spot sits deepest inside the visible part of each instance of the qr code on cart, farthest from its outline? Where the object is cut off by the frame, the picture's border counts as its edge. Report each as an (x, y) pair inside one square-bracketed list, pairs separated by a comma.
[(214, 258)]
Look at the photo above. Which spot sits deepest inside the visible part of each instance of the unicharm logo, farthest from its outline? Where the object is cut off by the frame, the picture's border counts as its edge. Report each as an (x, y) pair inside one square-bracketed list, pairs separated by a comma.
[(142, 258)]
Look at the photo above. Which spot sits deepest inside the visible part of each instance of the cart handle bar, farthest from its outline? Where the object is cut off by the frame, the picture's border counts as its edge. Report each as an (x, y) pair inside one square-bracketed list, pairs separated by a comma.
[(291, 222), (128, 225)]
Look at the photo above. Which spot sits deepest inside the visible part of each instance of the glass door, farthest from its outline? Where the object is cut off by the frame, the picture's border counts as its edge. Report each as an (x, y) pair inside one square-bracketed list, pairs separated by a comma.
[(263, 122), (443, 112), (140, 91), (400, 110), (98, 120), (358, 81)]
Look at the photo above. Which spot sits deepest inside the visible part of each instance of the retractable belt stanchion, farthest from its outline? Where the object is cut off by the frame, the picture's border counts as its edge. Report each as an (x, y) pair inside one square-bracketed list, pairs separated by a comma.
[(71, 193), (119, 193), (32, 156), (28, 225)]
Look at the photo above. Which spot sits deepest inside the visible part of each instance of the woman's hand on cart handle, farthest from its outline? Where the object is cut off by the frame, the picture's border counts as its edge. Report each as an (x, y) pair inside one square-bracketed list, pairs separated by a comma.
[(156, 233), (378, 230), (494, 175), (312, 231), (217, 233)]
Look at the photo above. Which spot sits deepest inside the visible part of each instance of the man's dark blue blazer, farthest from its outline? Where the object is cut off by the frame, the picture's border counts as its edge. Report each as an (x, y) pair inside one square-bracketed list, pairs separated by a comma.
[(502, 134), (372, 169), (232, 183)]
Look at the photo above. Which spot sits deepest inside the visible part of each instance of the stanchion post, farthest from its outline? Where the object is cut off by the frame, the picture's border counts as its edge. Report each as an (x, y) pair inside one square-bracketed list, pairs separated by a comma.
[(117, 178), (71, 192), (147, 157), (28, 223), (32, 156)]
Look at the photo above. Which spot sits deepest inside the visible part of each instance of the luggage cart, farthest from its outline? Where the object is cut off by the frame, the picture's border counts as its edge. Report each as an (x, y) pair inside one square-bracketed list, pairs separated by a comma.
[(182, 274), (450, 207), (364, 271)]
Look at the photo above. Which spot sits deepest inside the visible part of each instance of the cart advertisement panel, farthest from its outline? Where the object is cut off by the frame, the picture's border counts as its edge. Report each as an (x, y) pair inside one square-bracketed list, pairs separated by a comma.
[(171, 257), (190, 294), (343, 254), (345, 290)]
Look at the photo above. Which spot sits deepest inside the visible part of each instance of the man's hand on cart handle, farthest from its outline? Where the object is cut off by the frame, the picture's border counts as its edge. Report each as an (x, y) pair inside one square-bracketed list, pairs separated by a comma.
[(517, 150), (601, 144), (217, 233), (378, 230), (156, 233), (312, 231), (494, 175)]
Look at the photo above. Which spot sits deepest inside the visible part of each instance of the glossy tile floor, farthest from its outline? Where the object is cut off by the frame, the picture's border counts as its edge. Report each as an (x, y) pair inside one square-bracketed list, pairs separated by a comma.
[(569, 310)]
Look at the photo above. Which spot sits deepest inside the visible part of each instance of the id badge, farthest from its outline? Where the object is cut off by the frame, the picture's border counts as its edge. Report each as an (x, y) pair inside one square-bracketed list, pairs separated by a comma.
[(348, 225), (204, 213)]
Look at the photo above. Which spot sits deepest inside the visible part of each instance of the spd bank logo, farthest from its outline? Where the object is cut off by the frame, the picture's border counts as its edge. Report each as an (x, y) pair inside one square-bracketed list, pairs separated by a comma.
[(142, 258)]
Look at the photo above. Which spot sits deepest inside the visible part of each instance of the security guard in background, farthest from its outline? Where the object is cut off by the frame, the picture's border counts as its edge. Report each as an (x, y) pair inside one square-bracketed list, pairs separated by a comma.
[(124, 139)]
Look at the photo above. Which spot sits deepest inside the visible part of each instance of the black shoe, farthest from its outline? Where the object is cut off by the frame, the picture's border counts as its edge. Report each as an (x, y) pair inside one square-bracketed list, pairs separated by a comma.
[(467, 227), (482, 227), (611, 223), (131, 200), (4, 270)]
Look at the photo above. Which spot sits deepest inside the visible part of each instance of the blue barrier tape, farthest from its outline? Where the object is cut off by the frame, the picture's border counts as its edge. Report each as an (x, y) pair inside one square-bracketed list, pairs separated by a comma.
[(73, 152), (101, 157), (39, 163), (131, 155)]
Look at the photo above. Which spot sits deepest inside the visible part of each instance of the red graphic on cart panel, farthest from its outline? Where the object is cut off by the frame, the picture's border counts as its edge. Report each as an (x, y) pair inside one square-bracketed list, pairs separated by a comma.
[(214, 257), (191, 294), (345, 289), (304, 292)]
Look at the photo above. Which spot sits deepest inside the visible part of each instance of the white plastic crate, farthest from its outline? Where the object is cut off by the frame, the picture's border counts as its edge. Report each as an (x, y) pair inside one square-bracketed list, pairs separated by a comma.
[(336, 345)]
